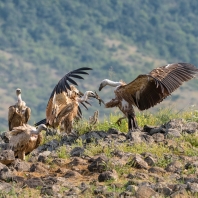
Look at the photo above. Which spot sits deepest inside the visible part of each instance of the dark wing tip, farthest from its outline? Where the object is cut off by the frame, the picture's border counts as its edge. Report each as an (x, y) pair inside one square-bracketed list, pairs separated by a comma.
[(63, 86), (40, 122)]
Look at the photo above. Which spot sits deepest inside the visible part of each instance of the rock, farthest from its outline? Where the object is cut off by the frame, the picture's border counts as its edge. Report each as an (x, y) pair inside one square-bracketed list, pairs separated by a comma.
[(192, 187), (156, 170), (7, 157), (113, 131), (173, 133), (152, 129), (77, 152), (108, 175), (180, 194), (190, 127), (5, 188), (39, 167), (72, 174), (98, 165), (175, 124), (131, 188), (20, 165), (138, 162), (138, 137), (5, 173), (150, 160), (175, 167), (43, 156), (158, 137), (34, 182), (144, 192), (5, 137), (50, 190), (93, 136)]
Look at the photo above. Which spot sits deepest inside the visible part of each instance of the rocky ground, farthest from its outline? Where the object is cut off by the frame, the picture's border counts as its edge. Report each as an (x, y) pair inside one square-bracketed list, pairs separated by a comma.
[(151, 162)]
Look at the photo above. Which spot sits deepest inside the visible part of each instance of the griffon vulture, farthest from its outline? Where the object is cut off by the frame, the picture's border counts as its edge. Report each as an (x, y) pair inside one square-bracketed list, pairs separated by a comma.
[(19, 113), (63, 105), (24, 139), (147, 90)]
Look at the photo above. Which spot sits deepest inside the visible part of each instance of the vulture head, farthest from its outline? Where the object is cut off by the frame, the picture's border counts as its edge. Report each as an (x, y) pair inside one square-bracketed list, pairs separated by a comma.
[(103, 84), (18, 91), (41, 127)]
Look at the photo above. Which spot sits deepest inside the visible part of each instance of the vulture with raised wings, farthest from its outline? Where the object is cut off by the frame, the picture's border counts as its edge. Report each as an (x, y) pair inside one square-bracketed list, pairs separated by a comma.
[(24, 139), (19, 113), (147, 90), (63, 105)]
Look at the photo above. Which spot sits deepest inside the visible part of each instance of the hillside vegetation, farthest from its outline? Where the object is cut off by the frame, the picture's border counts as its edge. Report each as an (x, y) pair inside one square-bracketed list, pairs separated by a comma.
[(42, 40)]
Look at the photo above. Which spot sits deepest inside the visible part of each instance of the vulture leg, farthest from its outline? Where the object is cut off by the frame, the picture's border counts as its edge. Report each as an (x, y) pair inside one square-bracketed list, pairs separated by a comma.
[(21, 155), (119, 121), (132, 122)]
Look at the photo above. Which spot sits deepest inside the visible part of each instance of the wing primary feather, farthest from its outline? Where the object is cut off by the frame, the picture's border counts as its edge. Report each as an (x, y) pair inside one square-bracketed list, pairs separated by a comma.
[(84, 105), (72, 81), (79, 110), (76, 76)]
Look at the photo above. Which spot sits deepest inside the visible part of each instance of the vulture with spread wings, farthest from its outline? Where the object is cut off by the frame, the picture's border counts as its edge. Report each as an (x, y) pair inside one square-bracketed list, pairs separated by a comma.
[(63, 105), (147, 90)]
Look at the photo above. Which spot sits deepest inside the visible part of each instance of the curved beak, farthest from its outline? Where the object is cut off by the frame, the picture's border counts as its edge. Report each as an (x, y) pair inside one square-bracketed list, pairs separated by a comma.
[(101, 86)]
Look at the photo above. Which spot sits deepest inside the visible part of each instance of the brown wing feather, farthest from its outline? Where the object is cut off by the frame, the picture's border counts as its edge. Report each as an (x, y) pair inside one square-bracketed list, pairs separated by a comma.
[(148, 90), (11, 112), (55, 106), (27, 114)]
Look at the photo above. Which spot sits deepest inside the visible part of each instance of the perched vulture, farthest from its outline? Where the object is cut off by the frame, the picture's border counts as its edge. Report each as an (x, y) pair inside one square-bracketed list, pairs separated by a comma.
[(24, 139), (63, 105), (147, 90), (19, 113)]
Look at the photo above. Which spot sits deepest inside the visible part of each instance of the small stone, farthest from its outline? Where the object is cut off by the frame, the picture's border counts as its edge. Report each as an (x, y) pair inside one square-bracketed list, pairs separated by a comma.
[(7, 157), (144, 192), (156, 170), (98, 165), (77, 152), (174, 167), (158, 137), (20, 165), (193, 187), (173, 133), (108, 175), (5, 187), (138, 162), (5, 173)]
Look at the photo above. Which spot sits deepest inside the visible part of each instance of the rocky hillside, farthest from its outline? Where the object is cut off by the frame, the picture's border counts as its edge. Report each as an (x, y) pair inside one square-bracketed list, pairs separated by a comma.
[(159, 161)]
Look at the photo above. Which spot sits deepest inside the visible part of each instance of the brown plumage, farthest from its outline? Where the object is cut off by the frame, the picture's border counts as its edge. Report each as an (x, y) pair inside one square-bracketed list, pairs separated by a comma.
[(24, 139), (147, 90), (19, 113), (94, 119), (63, 105)]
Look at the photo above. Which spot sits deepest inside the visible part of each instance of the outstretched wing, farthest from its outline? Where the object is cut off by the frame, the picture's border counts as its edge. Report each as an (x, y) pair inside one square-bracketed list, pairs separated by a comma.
[(148, 90), (59, 94)]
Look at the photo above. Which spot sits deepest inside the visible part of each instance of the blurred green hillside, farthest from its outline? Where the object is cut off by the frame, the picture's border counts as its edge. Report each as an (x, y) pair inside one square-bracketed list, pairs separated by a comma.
[(41, 40)]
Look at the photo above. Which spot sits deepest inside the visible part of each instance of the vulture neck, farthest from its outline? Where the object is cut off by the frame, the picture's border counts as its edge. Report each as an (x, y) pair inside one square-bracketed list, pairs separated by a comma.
[(39, 129), (113, 83), (19, 99), (84, 97)]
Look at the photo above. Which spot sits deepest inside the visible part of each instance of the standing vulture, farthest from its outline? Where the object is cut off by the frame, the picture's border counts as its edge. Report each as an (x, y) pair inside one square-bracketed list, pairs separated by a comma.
[(63, 105), (19, 113), (24, 139), (147, 90)]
